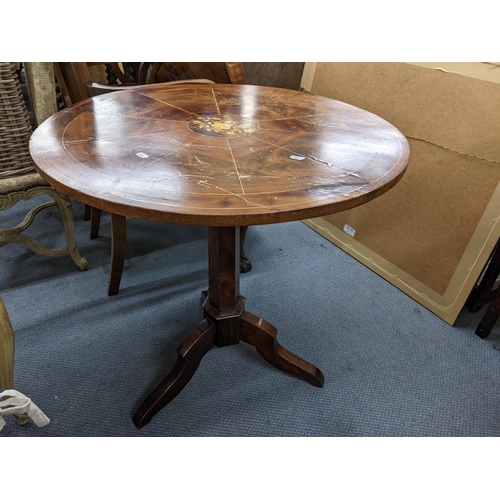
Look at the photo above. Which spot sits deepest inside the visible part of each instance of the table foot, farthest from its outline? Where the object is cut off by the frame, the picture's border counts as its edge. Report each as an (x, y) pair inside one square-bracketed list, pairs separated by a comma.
[(190, 353), (262, 335)]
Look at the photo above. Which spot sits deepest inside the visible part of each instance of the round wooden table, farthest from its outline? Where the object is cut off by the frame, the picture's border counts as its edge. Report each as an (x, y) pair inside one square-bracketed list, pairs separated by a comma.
[(222, 156)]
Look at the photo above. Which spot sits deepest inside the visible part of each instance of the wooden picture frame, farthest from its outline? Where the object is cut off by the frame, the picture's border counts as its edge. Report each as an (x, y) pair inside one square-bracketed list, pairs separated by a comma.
[(433, 233)]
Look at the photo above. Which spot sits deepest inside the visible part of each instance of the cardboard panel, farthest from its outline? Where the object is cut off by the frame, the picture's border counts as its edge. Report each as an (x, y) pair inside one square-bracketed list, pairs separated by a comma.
[(432, 234)]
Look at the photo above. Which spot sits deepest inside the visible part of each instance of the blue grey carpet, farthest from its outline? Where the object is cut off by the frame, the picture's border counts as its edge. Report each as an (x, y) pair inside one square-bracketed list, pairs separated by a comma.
[(391, 367)]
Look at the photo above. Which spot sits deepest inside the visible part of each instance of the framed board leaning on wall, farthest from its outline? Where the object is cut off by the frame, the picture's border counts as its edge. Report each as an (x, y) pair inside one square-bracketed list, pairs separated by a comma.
[(432, 235)]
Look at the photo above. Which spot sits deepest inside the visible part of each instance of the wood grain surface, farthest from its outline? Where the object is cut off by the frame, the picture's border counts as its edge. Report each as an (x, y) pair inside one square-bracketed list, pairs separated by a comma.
[(219, 155)]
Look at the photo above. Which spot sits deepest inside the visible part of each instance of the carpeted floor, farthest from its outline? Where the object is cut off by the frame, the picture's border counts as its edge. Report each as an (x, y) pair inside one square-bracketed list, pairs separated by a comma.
[(391, 367)]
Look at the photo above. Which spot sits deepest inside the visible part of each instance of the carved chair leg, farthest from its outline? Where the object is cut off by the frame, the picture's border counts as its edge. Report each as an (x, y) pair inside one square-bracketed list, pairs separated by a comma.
[(64, 205), (245, 264), (15, 234)]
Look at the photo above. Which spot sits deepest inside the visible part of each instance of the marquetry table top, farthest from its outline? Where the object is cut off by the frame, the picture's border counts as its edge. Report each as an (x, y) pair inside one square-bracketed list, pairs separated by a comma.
[(219, 155)]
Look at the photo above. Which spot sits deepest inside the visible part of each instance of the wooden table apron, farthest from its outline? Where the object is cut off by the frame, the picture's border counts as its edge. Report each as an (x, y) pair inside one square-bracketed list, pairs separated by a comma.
[(222, 156)]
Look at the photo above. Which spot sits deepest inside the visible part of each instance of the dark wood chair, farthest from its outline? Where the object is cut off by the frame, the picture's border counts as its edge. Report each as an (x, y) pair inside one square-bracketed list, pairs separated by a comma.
[(75, 84), (487, 292), (149, 73)]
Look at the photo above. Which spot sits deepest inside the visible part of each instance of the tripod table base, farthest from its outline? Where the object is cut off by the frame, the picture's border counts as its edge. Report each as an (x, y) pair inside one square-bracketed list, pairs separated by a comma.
[(252, 330)]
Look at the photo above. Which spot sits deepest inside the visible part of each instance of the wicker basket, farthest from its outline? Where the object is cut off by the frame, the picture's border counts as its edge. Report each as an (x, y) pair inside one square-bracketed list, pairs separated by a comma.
[(15, 126)]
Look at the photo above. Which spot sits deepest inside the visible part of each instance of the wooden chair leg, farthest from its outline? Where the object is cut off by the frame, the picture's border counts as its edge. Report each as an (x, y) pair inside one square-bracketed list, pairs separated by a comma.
[(245, 264), (64, 204), (87, 211), (119, 243), (95, 222), (6, 350), (27, 188), (490, 317), (483, 292), (7, 357), (118, 246)]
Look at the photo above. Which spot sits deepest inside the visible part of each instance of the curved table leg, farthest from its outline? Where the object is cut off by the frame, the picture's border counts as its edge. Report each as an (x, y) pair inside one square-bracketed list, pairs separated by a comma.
[(262, 335), (189, 355)]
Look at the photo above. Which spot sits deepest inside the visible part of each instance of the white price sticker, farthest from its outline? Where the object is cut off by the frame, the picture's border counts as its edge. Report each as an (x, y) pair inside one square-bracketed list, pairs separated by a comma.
[(349, 230)]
